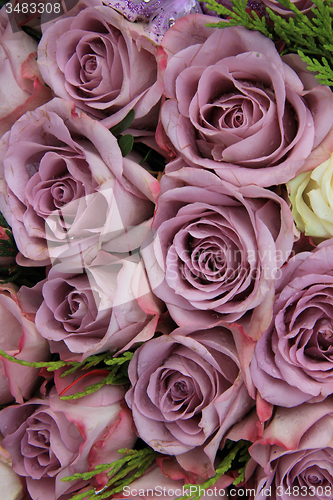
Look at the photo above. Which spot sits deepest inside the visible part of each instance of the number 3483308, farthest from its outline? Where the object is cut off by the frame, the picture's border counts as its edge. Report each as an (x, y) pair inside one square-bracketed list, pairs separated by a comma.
[(33, 8), (305, 491)]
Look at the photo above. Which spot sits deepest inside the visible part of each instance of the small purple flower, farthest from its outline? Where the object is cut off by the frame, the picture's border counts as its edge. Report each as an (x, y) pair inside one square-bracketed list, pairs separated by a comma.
[(159, 15)]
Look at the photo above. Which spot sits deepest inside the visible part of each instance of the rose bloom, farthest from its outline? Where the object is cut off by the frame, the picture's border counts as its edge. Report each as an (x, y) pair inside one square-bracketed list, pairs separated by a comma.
[(235, 107), (21, 339), (21, 86), (293, 359), (49, 439), (217, 248), (68, 189), (96, 59), (295, 453), (104, 307), (311, 195), (188, 390)]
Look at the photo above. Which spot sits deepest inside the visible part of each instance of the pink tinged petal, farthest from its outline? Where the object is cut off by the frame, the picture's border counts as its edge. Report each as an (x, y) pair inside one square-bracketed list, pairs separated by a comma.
[(121, 434), (246, 429), (288, 432)]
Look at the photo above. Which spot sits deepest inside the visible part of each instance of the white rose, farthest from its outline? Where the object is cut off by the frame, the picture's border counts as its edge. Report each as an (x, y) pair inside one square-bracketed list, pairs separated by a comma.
[(311, 195), (11, 486)]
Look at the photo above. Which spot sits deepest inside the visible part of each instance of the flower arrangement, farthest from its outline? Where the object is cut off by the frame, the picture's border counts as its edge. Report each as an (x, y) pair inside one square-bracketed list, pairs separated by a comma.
[(166, 252)]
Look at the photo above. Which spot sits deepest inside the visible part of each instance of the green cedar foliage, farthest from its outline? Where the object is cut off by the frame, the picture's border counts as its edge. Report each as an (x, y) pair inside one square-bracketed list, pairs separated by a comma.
[(309, 36)]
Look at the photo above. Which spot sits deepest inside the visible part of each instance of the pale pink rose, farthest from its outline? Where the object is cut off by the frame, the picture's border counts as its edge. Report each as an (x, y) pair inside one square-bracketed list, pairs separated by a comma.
[(105, 306), (96, 60), (216, 249), (49, 439), (68, 190), (236, 107), (21, 86), (188, 389), (19, 338), (292, 362), (295, 453)]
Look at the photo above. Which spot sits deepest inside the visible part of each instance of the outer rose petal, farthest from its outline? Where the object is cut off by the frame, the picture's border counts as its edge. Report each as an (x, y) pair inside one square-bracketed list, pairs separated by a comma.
[(295, 450), (21, 86), (21, 339)]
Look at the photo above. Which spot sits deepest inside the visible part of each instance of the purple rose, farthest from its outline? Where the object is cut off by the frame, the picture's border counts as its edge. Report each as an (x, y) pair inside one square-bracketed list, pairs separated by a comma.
[(49, 439), (293, 359), (187, 390), (96, 59), (67, 185), (105, 306), (295, 454), (235, 107), (217, 248)]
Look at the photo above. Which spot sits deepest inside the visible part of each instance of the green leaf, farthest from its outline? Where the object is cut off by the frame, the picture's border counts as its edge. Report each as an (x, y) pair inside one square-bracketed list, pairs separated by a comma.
[(309, 36), (123, 472), (50, 365), (126, 144), (106, 358), (117, 367), (236, 453), (124, 124)]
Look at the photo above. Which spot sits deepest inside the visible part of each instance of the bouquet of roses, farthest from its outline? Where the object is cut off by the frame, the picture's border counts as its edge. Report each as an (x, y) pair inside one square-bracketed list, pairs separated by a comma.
[(166, 251)]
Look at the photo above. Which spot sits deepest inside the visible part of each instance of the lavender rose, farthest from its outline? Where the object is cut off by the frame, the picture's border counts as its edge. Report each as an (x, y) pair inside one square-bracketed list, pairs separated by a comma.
[(95, 59), (67, 188), (49, 439), (21, 85), (293, 359), (235, 107), (217, 248), (295, 453), (187, 390), (19, 338), (105, 306)]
